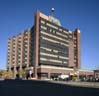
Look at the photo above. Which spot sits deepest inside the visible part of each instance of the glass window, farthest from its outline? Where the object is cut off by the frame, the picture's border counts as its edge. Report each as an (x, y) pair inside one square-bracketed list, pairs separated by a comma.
[(52, 26), (60, 29), (43, 22), (43, 27)]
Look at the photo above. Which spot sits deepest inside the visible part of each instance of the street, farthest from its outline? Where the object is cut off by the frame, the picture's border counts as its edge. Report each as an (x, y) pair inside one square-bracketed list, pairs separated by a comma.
[(43, 88)]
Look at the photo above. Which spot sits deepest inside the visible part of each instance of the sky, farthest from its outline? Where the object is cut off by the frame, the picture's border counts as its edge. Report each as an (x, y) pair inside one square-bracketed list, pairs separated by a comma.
[(18, 15)]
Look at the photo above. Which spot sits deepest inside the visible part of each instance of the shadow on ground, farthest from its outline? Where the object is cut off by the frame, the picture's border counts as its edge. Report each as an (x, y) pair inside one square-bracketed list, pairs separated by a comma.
[(43, 88)]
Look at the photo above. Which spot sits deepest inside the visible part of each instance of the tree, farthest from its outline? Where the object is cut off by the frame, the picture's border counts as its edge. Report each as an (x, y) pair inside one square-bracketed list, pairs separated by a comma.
[(22, 73), (5, 74)]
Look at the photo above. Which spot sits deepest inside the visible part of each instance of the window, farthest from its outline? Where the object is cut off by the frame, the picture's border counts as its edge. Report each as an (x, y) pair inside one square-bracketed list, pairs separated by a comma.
[(53, 36), (75, 51), (75, 57), (52, 26), (43, 22), (60, 29), (60, 34), (43, 27), (18, 61), (65, 32), (54, 31), (19, 48), (43, 74), (50, 30), (70, 36)]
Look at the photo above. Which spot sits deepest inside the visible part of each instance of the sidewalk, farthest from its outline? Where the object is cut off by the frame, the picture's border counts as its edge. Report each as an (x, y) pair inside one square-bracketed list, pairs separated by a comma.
[(81, 84)]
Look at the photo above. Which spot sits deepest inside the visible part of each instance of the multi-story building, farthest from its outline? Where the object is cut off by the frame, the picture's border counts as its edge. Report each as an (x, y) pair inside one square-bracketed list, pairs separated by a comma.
[(47, 48), (19, 51)]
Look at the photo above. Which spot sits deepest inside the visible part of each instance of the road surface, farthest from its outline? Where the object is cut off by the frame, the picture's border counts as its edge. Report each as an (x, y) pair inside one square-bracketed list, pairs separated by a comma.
[(43, 88)]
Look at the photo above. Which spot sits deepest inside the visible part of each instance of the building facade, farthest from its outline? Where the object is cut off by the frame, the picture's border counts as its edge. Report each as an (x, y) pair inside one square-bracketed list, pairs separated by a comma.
[(47, 48), (55, 45), (18, 56)]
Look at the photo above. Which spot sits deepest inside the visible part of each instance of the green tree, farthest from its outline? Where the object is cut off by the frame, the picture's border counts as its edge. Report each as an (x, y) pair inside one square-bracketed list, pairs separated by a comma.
[(22, 73)]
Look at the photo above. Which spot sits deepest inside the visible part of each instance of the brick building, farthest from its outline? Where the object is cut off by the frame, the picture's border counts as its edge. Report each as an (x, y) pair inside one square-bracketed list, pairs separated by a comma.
[(48, 49)]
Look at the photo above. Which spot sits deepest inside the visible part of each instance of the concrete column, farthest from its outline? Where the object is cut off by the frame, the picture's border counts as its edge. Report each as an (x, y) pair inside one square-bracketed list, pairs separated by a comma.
[(49, 75), (36, 48)]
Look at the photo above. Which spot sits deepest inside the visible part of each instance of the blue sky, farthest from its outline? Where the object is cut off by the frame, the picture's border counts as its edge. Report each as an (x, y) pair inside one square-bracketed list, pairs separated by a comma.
[(18, 15)]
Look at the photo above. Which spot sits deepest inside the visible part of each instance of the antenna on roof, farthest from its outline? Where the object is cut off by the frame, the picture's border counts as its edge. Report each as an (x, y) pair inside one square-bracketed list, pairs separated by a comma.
[(52, 11)]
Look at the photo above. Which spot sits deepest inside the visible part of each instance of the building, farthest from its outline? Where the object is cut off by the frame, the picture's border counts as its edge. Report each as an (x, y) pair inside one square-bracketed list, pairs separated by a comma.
[(96, 73), (56, 48), (47, 48), (19, 48)]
